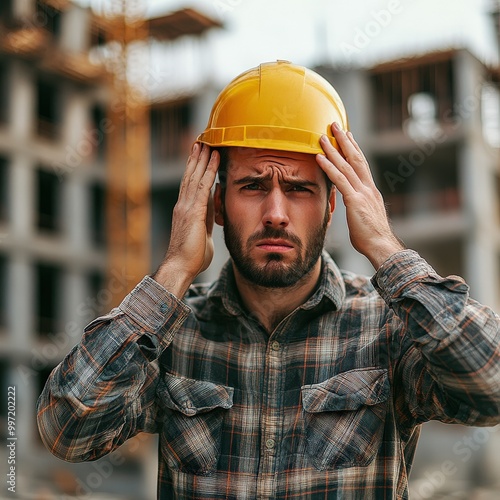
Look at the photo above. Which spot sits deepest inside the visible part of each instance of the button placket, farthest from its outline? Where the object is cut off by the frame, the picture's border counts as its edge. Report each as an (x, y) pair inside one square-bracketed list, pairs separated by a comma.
[(272, 417), (273, 367)]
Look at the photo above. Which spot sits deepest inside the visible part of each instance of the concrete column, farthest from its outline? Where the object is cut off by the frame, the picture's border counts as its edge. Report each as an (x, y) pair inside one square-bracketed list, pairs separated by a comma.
[(72, 307), (20, 301), (476, 184), (75, 210), (74, 286), (75, 32), (481, 263), (23, 101), (23, 198), (24, 9), (20, 275), (76, 123)]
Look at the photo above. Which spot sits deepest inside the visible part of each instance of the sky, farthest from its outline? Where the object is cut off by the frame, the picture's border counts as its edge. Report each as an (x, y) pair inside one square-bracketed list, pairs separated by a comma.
[(342, 32)]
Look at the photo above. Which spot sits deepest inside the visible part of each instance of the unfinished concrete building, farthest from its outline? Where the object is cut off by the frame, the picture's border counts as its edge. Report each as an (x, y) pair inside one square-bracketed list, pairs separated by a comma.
[(57, 105), (429, 125)]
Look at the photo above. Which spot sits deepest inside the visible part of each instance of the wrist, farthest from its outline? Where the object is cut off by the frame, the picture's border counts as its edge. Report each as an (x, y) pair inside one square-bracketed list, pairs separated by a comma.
[(382, 251), (173, 278)]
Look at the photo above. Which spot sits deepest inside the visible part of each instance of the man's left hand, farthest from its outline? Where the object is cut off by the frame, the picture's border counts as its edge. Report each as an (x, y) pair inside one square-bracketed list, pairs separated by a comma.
[(369, 227)]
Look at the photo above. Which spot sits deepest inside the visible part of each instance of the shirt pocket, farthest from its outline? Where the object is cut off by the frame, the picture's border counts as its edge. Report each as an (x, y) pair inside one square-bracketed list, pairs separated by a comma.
[(194, 413), (344, 418)]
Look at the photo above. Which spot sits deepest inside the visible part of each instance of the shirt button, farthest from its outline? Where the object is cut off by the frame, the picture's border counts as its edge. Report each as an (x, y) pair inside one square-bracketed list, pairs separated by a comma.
[(163, 308), (275, 346), (270, 444)]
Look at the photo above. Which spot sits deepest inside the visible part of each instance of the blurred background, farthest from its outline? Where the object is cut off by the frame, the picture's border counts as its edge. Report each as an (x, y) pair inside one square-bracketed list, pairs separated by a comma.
[(99, 105)]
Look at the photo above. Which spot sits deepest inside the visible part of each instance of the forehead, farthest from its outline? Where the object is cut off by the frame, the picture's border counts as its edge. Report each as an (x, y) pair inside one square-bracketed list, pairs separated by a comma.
[(244, 161)]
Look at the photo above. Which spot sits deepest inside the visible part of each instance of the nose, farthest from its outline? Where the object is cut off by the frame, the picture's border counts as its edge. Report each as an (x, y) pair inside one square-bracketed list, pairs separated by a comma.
[(275, 209)]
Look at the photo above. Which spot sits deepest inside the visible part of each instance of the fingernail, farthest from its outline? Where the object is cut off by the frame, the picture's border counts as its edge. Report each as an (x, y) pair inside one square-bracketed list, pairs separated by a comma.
[(194, 148), (323, 138), (336, 126)]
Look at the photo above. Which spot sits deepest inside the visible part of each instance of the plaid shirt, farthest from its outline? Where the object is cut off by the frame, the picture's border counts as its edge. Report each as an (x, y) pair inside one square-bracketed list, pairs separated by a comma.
[(326, 407)]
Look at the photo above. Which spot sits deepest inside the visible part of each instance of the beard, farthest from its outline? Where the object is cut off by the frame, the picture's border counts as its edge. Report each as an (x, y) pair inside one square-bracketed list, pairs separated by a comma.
[(275, 273)]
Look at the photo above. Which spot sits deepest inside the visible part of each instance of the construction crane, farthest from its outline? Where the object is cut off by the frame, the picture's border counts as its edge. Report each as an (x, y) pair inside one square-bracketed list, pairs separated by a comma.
[(128, 164), (128, 197)]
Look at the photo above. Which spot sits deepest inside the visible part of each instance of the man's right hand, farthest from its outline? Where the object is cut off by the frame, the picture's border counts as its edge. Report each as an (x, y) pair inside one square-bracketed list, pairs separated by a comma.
[(191, 247)]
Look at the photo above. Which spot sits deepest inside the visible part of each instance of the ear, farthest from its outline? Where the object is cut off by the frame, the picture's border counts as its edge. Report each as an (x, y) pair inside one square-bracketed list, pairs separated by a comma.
[(218, 205), (331, 202)]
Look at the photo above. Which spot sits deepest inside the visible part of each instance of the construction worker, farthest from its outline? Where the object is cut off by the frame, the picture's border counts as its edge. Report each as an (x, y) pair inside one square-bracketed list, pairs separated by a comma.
[(286, 378)]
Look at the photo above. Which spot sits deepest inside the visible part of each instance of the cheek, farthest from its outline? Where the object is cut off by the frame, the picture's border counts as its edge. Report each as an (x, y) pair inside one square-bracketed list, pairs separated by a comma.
[(240, 212)]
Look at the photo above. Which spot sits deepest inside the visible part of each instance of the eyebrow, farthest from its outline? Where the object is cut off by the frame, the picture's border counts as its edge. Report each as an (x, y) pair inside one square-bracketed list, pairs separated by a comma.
[(261, 178)]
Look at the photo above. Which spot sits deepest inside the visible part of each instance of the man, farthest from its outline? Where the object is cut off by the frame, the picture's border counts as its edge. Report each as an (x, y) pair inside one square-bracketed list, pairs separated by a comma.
[(286, 378)]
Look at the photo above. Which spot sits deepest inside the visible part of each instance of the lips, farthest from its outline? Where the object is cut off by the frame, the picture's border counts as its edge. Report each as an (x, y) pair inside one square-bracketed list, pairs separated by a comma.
[(275, 245)]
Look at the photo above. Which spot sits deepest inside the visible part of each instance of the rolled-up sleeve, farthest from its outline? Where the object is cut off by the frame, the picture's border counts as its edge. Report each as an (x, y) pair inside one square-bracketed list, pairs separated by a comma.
[(103, 392), (449, 368)]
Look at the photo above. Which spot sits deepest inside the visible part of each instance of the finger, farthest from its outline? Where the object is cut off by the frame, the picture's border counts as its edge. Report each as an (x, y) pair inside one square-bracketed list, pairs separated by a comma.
[(335, 159), (355, 144), (193, 158), (200, 200), (191, 163), (195, 170), (352, 153), (361, 154), (208, 178), (201, 164), (339, 179)]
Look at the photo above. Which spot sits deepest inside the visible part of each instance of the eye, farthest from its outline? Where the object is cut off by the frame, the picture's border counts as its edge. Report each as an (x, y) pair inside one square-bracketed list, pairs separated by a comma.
[(299, 189), (253, 186)]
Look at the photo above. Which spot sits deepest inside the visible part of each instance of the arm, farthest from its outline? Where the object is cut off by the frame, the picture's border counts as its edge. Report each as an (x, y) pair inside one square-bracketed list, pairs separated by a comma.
[(448, 361), (103, 392), (449, 367)]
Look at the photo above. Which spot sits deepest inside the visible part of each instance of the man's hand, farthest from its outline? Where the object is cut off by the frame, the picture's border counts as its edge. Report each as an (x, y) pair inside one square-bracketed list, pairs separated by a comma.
[(369, 227), (191, 247)]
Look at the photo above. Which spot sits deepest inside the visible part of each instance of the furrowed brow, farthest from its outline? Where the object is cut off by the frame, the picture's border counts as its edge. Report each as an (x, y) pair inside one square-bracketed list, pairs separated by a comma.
[(300, 183), (260, 178), (248, 179)]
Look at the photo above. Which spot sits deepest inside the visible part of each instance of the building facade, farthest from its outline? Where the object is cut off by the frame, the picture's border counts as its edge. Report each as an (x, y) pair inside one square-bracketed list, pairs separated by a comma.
[(429, 126), (55, 271)]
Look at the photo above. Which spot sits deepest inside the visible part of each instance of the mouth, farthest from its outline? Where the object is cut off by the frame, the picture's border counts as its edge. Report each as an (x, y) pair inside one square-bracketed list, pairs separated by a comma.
[(275, 245)]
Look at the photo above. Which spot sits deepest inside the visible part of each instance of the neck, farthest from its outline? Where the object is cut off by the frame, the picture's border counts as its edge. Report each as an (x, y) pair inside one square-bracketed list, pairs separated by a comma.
[(271, 305)]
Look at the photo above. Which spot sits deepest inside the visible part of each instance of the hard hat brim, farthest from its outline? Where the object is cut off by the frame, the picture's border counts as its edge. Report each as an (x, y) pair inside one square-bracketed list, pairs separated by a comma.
[(252, 136)]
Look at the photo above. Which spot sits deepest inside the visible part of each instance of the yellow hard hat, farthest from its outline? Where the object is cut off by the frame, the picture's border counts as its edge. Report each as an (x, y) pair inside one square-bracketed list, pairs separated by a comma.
[(277, 105)]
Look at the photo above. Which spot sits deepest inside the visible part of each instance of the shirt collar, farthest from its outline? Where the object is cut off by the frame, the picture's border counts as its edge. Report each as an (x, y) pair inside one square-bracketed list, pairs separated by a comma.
[(331, 286)]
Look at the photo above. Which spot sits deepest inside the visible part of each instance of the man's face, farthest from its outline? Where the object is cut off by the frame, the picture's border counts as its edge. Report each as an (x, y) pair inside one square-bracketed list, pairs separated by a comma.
[(275, 213)]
